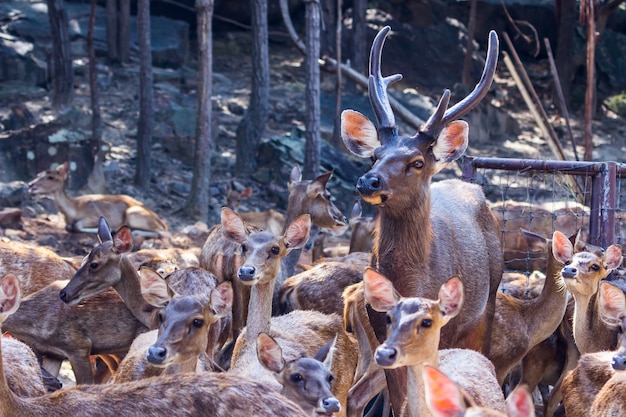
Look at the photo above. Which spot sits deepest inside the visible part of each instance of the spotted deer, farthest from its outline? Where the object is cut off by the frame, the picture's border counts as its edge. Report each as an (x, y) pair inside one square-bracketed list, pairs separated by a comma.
[(414, 330), (306, 381), (427, 219), (190, 305), (596, 384), (215, 394), (82, 213)]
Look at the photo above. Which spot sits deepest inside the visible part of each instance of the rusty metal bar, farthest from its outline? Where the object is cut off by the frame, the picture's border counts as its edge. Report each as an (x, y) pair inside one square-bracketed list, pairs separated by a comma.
[(607, 204), (510, 164)]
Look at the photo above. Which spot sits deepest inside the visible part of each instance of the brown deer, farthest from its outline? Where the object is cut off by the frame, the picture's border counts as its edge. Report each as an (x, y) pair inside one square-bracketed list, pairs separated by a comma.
[(107, 266), (82, 213), (444, 398), (56, 331), (427, 233), (22, 370), (187, 312), (300, 333), (215, 394), (534, 320), (361, 230), (592, 385), (414, 329), (305, 381)]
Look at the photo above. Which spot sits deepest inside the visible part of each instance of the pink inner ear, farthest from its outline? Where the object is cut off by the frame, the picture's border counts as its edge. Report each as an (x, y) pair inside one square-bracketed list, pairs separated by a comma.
[(561, 247), (378, 291), (442, 395)]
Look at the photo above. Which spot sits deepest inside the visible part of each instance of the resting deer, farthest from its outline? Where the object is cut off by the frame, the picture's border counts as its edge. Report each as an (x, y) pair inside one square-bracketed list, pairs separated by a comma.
[(306, 381), (444, 398), (414, 329), (188, 310), (300, 333), (219, 395), (419, 244), (596, 385), (82, 213), (107, 266), (534, 320), (22, 370)]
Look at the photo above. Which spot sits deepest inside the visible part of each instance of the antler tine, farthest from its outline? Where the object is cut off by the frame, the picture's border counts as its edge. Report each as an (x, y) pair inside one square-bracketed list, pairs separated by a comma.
[(464, 106), (378, 84), (437, 116)]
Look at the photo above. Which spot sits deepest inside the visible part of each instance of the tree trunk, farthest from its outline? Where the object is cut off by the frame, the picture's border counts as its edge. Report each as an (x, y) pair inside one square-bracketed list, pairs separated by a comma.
[(466, 77), (111, 11), (252, 126), (123, 37), (312, 92), (61, 62), (359, 37), (591, 78), (96, 117), (144, 128), (197, 205), (328, 30), (339, 84), (566, 20)]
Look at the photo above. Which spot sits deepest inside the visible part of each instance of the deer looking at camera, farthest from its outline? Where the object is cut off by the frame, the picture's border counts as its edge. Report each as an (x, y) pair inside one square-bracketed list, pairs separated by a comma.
[(218, 395), (82, 213), (427, 233)]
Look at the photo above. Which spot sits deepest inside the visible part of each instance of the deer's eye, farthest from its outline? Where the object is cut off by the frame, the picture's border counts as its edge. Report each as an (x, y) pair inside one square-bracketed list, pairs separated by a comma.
[(296, 378), (50, 177), (427, 323), (275, 250), (93, 265), (419, 164), (198, 323), (595, 267)]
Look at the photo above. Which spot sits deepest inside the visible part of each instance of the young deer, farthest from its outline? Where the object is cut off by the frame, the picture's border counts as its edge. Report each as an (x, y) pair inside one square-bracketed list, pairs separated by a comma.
[(414, 329), (188, 310), (82, 213), (534, 319), (218, 395), (107, 266), (582, 274), (444, 398), (306, 381), (300, 333), (427, 218), (596, 385), (56, 331)]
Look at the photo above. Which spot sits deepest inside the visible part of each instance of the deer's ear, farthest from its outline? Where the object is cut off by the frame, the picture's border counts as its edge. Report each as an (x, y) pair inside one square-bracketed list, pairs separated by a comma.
[(612, 303), (451, 297), (154, 289), (269, 353), (318, 185), (451, 143), (613, 257), (358, 133), (232, 226), (519, 403), (298, 232), (104, 231), (562, 248), (222, 299), (10, 294), (379, 291), (443, 397), (64, 168), (123, 240)]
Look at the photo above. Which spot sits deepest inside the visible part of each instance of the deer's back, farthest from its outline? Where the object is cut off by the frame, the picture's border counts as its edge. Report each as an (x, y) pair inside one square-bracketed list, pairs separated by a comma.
[(21, 368)]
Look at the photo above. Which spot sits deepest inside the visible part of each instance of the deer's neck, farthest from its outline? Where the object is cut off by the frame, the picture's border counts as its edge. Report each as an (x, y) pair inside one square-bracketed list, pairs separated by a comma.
[(65, 203), (546, 311), (416, 392), (403, 245), (259, 311), (129, 289), (591, 334)]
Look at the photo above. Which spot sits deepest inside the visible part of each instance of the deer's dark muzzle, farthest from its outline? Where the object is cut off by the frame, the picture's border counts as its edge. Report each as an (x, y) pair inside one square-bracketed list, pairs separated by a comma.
[(569, 272), (246, 273), (331, 405), (369, 184), (619, 362), (386, 356), (156, 355)]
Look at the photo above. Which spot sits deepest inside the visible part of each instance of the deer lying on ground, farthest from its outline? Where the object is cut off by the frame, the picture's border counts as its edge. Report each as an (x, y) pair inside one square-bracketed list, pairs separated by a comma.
[(590, 387), (82, 213), (22, 370), (534, 319), (55, 330), (270, 220), (300, 333), (305, 381), (419, 244), (219, 395), (413, 338), (188, 310), (444, 398), (107, 266)]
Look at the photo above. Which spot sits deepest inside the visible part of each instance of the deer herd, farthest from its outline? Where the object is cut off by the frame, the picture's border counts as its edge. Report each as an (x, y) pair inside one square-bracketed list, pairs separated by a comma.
[(413, 321)]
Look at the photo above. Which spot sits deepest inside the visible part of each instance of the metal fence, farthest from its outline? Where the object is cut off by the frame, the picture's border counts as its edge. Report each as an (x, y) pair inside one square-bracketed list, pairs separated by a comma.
[(544, 195)]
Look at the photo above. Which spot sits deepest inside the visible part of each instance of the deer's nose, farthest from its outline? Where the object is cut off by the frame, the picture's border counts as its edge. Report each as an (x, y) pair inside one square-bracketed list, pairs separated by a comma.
[(386, 356), (246, 273), (619, 362), (331, 405), (569, 272), (156, 354), (368, 184)]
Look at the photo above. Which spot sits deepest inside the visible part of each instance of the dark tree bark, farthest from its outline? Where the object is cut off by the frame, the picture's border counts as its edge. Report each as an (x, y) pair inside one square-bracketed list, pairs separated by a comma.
[(466, 77), (96, 117), (566, 20), (360, 48), (588, 5), (312, 92), (123, 37), (328, 29), (61, 60), (197, 205), (252, 125), (144, 128), (339, 84), (111, 11)]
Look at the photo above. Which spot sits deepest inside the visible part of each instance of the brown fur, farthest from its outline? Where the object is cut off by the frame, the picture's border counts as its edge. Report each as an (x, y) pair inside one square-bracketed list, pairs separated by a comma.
[(21, 369)]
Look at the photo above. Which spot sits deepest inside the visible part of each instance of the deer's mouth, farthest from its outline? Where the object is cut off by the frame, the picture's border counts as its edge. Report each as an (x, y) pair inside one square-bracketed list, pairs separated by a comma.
[(375, 199)]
